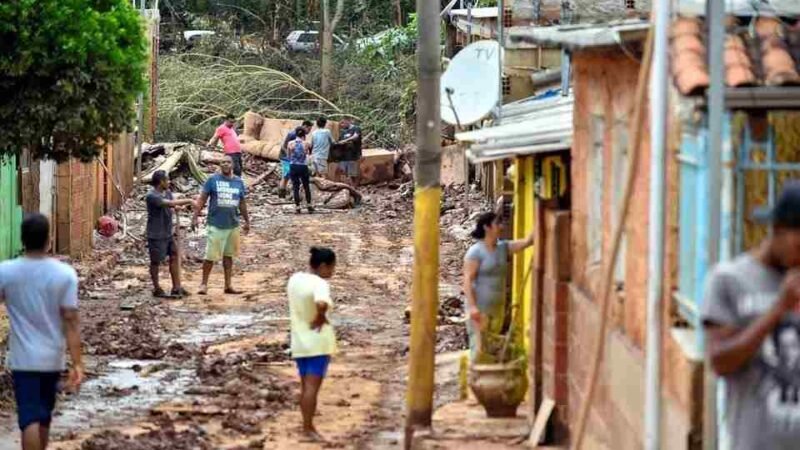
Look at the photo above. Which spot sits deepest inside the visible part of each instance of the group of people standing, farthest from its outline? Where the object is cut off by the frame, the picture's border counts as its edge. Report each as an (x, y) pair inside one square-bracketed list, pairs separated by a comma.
[(41, 297), (302, 158), (304, 153)]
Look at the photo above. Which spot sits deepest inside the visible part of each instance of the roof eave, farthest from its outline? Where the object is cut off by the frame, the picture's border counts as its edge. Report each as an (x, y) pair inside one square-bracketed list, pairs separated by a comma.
[(760, 98), (575, 40)]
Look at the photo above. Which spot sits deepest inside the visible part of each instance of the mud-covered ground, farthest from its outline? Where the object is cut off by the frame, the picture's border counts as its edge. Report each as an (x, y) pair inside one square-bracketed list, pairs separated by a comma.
[(209, 372)]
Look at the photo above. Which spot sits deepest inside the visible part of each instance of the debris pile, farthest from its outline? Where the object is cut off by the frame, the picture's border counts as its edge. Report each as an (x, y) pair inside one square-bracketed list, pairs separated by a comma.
[(6, 391), (166, 437), (135, 335), (239, 382)]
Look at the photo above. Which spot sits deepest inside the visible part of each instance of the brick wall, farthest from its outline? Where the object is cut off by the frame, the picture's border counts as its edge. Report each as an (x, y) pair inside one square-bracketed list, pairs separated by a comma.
[(75, 203), (555, 315), (604, 86)]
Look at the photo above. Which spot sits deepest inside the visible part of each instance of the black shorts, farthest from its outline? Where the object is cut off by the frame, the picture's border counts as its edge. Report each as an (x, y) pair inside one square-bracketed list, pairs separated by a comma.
[(237, 163), (36, 396), (160, 249)]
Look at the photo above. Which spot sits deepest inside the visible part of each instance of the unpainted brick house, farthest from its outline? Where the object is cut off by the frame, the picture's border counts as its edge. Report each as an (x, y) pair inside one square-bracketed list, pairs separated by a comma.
[(575, 233), (74, 194)]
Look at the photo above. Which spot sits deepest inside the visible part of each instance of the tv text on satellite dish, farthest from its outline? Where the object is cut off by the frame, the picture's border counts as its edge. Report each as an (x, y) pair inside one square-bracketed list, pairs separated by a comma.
[(470, 86)]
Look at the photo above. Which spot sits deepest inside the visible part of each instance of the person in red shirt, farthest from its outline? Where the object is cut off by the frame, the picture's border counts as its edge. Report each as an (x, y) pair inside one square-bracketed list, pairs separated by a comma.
[(230, 142)]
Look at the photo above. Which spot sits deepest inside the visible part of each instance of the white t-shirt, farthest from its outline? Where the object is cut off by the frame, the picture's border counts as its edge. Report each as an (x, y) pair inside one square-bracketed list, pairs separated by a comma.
[(305, 290), (35, 290)]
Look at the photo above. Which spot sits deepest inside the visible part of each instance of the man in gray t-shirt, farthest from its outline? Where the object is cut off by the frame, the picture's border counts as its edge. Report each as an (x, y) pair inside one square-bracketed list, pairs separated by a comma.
[(752, 324), (41, 297), (160, 241)]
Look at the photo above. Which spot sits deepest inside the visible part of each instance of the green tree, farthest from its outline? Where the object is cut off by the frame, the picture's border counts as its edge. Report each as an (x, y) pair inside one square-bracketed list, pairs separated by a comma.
[(70, 71)]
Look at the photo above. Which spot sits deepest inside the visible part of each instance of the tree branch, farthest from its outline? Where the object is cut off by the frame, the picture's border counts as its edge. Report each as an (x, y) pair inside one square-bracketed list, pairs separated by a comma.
[(338, 15)]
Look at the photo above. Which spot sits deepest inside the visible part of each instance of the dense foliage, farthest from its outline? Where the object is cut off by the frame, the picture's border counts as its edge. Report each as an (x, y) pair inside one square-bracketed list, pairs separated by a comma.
[(69, 73), (374, 82), (276, 18)]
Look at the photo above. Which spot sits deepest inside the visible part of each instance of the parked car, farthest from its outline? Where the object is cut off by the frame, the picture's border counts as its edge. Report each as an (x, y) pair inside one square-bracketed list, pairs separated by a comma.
[(308, 41), (192, 37)]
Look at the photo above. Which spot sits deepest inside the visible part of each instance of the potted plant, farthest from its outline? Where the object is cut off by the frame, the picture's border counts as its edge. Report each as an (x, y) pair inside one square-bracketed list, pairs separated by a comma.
[(498, 376)]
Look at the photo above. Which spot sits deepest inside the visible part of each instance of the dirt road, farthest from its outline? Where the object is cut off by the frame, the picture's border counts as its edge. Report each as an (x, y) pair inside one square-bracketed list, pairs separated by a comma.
[(213, 371)]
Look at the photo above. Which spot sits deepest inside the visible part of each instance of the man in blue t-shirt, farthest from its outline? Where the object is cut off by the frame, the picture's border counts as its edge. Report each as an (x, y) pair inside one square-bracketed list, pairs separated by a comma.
[(226, 193)]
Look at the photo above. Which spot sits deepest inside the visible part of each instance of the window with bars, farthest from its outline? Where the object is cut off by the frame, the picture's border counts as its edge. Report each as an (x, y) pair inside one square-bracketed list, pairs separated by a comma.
[(506, 85), (630, 4), (508, 18)]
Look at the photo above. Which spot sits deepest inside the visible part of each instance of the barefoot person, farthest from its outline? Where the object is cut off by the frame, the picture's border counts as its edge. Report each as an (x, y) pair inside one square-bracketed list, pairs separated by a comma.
[(313, 340), (751, 314), (230, 142), (41, 297), (160, 235), (226, 195), (485, 274)]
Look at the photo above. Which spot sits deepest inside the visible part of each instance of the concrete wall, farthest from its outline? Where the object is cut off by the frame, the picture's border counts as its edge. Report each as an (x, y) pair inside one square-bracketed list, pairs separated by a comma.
[(570, 309), (453, 165)]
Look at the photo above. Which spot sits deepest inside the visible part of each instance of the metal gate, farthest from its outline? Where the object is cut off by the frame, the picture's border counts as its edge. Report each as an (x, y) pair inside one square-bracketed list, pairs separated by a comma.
[(10, 210), (767, 157)]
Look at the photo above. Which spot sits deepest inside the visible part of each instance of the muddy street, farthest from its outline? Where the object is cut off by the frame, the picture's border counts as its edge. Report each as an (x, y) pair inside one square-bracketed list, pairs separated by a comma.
[(214, 371)]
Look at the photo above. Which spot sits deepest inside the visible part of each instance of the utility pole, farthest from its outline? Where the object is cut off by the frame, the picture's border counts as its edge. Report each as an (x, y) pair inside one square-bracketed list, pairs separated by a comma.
[(425, 285), (715, 18), (140, 116), (501, 9)]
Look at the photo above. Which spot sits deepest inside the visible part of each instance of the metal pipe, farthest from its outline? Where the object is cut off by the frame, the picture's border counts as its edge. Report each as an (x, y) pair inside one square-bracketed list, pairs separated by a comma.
[(140, 116), (716, 110), (655, 266), (500, 40)]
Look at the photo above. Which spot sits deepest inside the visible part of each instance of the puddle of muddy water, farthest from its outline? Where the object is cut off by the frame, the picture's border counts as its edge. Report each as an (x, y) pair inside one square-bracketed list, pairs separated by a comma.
[(124, 389), (218, 326)]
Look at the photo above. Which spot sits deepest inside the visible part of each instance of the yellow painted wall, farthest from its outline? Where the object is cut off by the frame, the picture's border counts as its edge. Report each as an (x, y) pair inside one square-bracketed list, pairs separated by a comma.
[(523, 222)]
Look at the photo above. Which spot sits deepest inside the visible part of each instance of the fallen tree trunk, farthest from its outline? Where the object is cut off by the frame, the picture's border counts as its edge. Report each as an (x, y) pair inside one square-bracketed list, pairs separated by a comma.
[(168, 165), (328, 186), (195, 169), (260, 179), (211, 157)]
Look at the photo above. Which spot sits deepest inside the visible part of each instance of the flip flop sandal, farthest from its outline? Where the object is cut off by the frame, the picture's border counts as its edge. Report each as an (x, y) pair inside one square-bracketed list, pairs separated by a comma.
[(159, 293), (180, 293)]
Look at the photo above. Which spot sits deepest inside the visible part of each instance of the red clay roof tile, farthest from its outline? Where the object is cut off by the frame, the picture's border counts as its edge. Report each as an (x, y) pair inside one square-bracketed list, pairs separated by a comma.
[(778, 65), (776, 48), (738, 68), (689, 57)]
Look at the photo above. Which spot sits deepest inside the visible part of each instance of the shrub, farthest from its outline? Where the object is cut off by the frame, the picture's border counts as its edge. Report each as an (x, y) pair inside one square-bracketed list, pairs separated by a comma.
[(69, 74)]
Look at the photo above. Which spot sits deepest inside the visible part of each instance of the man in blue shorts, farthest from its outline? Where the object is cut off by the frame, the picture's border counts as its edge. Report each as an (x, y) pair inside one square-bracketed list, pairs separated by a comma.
[(41, 297), (284, 156), (313, 338)]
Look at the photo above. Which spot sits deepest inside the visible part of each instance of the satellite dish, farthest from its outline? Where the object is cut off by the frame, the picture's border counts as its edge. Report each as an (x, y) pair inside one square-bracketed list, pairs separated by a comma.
[(470, 86)]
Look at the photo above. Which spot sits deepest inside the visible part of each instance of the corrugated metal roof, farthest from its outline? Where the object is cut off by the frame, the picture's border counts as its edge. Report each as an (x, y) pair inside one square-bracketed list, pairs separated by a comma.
[(583, 35), (478, 13), (529, 126)]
